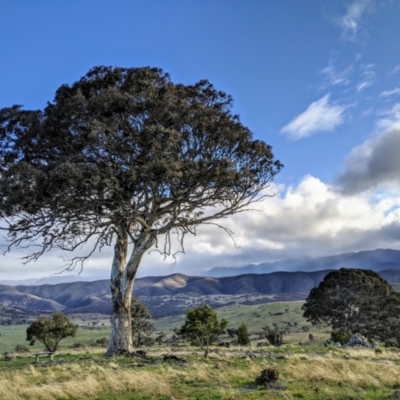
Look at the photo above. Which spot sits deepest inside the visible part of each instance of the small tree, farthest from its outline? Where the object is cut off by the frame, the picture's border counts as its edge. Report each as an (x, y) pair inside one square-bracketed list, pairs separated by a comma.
[(141, 325), (50, 330), (202, 328), (242, 335), (275, 337)]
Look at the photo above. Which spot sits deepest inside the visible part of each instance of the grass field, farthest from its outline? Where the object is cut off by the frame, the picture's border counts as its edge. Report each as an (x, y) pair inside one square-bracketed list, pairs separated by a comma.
[(315, 373), (255, 317), (308, 371)]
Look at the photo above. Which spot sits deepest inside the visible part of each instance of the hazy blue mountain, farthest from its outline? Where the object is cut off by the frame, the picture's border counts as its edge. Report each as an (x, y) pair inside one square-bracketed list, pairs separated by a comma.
[(51, 280), (90, 297), (375, 260)]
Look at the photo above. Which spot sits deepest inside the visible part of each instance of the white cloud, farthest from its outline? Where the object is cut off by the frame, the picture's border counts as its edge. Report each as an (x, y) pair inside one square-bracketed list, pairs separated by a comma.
[(308, 219), (320, 116), (387, 93), (363, 85), (351, 21), (396, 69), (390, 119), (337, 77)]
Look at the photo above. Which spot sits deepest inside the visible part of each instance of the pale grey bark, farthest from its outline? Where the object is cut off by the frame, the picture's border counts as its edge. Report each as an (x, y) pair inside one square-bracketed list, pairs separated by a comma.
[(122, 278)]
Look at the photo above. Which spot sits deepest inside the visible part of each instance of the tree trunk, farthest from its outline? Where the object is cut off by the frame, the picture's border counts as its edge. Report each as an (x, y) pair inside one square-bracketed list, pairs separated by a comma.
[(121, 294), (122, 279)]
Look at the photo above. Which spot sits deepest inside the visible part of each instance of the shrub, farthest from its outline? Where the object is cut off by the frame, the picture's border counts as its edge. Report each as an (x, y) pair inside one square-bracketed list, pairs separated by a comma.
[(275, 337), (267, 376), (305, 328), (341, 336), (391, 342), (77, 345), (103, 342), (19, 348)]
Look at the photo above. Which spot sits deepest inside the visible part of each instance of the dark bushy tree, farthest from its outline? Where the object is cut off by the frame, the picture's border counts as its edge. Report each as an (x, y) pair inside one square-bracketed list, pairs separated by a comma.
[(50, 330), (354, 300), (202, 327), (141, 326), (274, 336), (242, 335), (125, 157)]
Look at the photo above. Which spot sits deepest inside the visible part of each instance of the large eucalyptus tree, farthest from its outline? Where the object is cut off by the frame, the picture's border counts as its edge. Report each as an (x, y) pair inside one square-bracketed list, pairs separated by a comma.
[(125, 157)]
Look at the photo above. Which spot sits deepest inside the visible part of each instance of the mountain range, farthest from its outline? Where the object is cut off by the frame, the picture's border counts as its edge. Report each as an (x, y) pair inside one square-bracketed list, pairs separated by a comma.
[(90, 297), (375, 260)]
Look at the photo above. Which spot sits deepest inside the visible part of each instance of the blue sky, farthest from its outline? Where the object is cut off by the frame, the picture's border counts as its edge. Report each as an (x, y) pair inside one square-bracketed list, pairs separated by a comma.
[(319, 80)]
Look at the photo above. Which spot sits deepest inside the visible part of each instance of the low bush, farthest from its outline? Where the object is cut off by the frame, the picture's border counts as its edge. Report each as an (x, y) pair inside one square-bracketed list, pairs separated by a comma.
[(77, 345), (19, 348), (267, 376), (341, 336)]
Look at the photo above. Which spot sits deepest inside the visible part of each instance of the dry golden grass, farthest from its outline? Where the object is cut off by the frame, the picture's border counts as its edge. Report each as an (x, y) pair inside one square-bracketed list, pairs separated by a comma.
[(361, 368), (228, 374), (79, 382)]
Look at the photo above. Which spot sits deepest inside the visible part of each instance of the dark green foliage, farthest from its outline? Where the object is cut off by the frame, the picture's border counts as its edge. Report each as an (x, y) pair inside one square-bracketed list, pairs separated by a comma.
[(115, 143), (202, 327), (232, 332), (77, 345), (341, 336), (140, 319), (19, 348), (242, 335), (274, 336), (267, 376), (103, 342), (305, 328), (354, 300), (50, 330), (391, 342)]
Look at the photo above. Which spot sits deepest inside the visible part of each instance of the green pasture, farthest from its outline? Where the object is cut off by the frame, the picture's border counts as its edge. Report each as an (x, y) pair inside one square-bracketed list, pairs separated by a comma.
[(255, 317)]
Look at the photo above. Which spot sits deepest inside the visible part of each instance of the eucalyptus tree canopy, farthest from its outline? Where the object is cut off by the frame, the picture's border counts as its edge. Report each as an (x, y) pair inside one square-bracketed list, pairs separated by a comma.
[(355, 300), (125, 157)]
